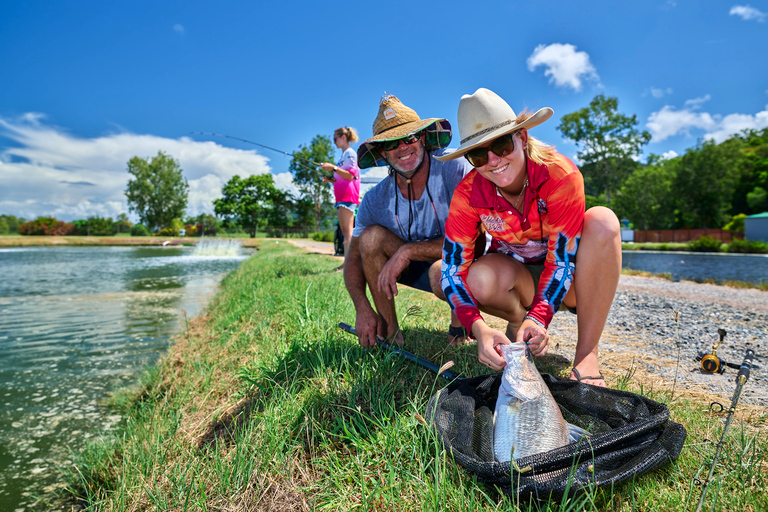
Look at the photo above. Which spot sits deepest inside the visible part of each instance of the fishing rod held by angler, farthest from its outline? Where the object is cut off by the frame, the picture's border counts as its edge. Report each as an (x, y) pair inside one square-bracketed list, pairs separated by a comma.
[(429, 365), (257, 144), (331, 178), (741, 379)]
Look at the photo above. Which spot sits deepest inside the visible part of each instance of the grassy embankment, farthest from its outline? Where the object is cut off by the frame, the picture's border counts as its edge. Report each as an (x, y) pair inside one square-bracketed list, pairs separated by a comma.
[(264, 403)]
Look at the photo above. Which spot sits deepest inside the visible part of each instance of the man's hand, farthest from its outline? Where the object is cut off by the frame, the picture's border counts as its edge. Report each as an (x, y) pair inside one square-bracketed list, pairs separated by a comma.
[(391, 271), (367, 326), (535, 336)]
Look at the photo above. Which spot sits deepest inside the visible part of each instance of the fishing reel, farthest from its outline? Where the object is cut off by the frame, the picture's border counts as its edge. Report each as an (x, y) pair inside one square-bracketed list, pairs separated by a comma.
[(711, 363)]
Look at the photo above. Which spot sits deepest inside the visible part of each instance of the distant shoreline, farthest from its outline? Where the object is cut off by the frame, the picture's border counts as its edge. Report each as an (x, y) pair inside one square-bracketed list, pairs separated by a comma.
[(106, 241)]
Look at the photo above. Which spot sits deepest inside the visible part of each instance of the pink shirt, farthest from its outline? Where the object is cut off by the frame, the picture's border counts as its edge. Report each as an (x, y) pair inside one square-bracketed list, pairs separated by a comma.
[(347, 191)]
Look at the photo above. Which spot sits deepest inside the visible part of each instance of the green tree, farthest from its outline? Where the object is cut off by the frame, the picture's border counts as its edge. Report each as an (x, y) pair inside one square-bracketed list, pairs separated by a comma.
[(309, 179), (157, 191), (704, 185), (249, 201), (122, 224), (10, 223), (608, 142), (645, 198)]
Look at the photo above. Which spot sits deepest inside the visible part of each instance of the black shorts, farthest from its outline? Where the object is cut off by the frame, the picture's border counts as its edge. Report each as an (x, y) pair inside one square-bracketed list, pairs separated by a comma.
[(416, 275)]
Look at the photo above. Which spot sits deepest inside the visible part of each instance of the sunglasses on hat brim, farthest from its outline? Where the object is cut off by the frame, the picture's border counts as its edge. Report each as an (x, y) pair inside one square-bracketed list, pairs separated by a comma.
[(500, 147), (389, 145)]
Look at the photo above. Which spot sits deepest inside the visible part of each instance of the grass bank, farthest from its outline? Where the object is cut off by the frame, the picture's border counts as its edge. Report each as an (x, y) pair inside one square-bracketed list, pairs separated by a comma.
[(264, 404)]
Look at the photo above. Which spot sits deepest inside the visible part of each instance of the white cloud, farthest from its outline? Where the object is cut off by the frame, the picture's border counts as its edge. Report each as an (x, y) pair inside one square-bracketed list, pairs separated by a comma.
[(179, 29), (696, 103), (51, 172), (669, 155), (660, 93), (748, 13), (669, 122), (737, 123), (565, 66)]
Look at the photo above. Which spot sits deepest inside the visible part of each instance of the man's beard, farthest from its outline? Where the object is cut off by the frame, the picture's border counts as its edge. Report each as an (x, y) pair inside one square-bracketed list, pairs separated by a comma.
[(405, 172)]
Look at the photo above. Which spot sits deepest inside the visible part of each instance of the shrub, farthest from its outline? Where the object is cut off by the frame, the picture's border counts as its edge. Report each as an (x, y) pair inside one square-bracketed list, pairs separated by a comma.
[(167, 232), (47, 226), (748, 246), (139, 230), (705, 244), (322, 236), (737, 224), (190, 230)]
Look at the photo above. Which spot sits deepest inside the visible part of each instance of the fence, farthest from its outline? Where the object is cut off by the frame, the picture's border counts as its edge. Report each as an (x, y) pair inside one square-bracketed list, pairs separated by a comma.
[(683, 235)]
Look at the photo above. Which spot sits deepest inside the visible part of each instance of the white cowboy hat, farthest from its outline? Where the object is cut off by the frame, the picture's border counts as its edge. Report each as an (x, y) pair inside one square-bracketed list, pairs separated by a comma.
[(484, 116)]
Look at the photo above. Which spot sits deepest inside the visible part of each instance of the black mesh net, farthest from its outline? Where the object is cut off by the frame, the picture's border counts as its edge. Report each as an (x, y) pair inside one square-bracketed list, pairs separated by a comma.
[(630, 435)]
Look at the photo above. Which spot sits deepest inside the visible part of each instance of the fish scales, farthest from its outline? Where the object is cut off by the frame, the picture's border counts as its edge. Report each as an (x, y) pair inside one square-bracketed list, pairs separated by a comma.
[(527, 419)]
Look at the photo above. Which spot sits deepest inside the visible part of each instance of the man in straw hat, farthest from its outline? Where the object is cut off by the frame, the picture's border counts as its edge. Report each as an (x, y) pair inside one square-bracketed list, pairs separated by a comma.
[(400, 223), (543, 250)]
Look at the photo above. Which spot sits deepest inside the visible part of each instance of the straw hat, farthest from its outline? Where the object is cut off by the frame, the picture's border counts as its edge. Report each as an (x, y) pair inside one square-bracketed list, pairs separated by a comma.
[(484, 116), (395, 121)]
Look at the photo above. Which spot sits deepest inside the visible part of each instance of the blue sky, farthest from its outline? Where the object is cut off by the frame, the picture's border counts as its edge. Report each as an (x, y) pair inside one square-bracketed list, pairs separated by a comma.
[(87, 85)]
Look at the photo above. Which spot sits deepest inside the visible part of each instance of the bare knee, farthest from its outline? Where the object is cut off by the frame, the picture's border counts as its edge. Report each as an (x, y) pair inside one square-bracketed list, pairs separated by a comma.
[(375, 240), (601, 225), (483, 281)]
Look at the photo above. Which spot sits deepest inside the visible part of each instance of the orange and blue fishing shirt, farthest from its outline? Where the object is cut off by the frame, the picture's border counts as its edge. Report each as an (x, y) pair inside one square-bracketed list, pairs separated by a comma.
[(548, 231)]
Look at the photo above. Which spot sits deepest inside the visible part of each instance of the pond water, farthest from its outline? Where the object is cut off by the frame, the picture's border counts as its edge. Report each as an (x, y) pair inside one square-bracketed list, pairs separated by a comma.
[(696, 266), (75, 324)]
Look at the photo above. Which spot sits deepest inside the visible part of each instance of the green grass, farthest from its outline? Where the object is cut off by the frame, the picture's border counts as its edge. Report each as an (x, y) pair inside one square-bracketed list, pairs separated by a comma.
[(265, 404)]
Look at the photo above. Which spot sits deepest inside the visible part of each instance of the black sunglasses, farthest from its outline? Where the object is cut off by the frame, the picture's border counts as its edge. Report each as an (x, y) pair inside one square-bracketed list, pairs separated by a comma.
[(389, 145), (501, 147)]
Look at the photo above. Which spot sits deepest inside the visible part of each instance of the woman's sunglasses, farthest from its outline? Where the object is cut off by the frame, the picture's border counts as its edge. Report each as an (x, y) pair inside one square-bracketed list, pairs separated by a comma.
[(389, 145), (501, 147)]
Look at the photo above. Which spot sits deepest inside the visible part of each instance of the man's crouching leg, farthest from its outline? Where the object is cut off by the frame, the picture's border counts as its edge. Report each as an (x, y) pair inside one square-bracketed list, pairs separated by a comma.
[(377, 245)]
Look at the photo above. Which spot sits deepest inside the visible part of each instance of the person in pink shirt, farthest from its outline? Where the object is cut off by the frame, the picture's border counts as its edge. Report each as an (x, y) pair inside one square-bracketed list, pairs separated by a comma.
[(346, 186)]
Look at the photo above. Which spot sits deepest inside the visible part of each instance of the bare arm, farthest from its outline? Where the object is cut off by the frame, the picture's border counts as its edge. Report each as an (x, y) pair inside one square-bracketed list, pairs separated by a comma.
[(366, 319), (415, 251), (338, 170)]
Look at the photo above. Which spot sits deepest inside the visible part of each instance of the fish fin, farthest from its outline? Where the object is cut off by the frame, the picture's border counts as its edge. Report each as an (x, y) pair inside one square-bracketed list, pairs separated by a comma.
[(576, 433)]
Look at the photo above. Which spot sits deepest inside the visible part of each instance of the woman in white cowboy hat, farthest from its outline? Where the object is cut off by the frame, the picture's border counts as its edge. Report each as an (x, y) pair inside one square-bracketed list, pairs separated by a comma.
[(543, 250)]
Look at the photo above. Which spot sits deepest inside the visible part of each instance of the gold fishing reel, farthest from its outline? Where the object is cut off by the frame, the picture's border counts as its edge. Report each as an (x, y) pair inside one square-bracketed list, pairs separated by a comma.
[(710, 363)]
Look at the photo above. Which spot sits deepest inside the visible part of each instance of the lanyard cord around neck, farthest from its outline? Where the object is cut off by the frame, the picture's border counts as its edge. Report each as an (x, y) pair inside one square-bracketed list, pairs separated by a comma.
[(410, 206)]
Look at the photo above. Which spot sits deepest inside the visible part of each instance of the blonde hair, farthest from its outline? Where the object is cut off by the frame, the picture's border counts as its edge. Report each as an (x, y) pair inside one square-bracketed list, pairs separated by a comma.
[(349, 132), (538, 151)]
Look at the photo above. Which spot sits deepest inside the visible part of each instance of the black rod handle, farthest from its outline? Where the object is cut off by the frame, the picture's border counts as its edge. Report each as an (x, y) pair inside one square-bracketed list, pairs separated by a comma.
[(746, 366), (429, 365)]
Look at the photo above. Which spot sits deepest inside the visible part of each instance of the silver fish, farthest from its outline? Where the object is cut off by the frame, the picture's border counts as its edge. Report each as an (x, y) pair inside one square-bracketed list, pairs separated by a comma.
[(527, 420)]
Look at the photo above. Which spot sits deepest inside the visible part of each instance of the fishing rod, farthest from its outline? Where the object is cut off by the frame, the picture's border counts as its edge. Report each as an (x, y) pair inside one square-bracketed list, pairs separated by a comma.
[(429, 365), (316, 164), (741, 379)]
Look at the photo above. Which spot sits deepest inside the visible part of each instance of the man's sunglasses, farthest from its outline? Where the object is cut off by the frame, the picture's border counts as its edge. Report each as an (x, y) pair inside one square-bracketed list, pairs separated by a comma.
[(389, 145), (501, 147)]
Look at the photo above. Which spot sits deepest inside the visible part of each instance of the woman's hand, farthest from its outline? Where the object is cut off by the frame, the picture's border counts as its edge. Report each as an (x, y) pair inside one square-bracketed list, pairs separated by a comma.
[(488, 341), (535, 336), (328, 167)]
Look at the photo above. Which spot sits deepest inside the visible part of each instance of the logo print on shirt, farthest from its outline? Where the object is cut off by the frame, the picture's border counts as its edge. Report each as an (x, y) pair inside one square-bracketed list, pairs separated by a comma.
[(492, 222)]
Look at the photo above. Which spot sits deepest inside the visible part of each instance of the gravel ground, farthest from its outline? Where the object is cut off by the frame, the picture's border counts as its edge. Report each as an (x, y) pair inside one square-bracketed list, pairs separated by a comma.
[(642, 336), (642, 333)]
